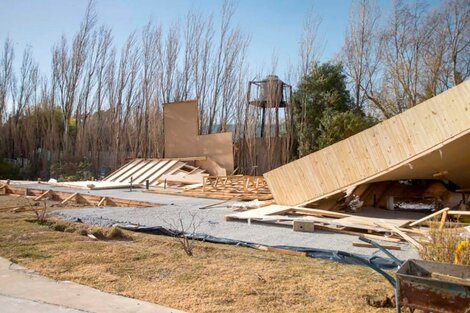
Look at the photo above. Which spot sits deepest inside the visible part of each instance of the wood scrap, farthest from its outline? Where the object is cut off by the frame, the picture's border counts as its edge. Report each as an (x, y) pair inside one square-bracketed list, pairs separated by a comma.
[(93, 237), (280, 251), (368, 245)]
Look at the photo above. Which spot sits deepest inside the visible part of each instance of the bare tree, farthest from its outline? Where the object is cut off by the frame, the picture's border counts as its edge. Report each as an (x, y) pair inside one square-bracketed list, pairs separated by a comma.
[(456, 17), (6, 75), (184, 228), (360, 54)]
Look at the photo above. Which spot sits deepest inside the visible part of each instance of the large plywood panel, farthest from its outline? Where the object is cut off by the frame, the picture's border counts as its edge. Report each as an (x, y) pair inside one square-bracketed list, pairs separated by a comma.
[(429, 138), (181, 129), (182, 139)]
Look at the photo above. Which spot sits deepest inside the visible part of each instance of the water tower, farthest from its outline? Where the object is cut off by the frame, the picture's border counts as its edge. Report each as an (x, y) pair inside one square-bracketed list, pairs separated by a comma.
[(270, 93)]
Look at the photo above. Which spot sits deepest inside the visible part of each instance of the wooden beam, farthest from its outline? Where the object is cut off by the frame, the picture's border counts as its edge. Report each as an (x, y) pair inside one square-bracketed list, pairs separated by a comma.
[(428, 217), (458, 212), (42, 195), (89, 198), (69, 198), (368, 245), (406, 237), (443, 220), (102, 201)]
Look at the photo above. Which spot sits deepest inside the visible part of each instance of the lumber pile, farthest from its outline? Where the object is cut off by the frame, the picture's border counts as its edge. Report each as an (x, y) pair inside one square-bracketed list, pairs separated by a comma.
[(311, 220), (222, 187)]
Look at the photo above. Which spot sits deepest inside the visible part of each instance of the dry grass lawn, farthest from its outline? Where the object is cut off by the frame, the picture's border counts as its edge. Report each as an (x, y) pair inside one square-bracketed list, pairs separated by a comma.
[(217, 278)]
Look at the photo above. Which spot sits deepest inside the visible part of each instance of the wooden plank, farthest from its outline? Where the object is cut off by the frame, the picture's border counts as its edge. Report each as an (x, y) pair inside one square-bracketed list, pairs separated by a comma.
[(126, 175), (42, 195), (280, 251), (151, 171), (102, 201), (69, 198), (114, 175), (428, 217), (443, 220), (368, 245), (164, 170), (458, 213), (406, 237)]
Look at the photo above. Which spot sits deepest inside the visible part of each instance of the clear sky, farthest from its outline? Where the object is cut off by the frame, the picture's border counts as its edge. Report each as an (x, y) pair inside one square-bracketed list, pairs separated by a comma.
[(275, 26)]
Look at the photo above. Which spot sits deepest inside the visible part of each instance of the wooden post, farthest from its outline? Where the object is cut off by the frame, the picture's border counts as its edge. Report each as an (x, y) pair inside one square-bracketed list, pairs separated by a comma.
[(443, 220)]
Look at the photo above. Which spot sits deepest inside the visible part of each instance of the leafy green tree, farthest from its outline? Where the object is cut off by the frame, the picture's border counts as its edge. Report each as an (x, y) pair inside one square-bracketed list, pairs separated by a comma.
[(336, 126), (323, 109)]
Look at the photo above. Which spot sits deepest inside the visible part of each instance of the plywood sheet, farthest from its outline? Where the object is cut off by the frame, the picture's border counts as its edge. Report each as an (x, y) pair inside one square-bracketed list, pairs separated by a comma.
[(183, 140), (432, 137)]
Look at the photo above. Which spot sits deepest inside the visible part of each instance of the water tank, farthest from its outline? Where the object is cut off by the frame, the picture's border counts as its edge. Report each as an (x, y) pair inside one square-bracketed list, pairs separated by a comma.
[(271, 93)]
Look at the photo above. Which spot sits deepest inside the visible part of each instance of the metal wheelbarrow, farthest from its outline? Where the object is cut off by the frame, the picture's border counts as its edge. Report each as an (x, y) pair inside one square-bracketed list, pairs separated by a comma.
[(425, 285)]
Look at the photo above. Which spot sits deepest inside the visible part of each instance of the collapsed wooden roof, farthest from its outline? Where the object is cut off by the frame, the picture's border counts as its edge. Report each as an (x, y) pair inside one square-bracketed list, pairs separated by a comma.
[(428, 141)]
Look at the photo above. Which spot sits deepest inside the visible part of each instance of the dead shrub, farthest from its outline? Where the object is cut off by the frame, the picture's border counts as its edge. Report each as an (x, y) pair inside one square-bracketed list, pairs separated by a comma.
[(185, 230), (41, 213), (116, 233), (57, 226), (97, 232), (448, 245)]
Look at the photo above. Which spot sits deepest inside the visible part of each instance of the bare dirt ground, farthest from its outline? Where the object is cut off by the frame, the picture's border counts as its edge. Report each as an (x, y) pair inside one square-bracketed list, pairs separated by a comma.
[(217, 278)]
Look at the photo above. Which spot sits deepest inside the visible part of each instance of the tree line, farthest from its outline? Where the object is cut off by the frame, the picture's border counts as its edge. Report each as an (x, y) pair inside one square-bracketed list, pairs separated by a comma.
[(103, 103)]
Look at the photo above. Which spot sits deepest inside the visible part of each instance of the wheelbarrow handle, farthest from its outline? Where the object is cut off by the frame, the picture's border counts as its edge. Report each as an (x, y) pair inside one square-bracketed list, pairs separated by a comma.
[(397, 261)]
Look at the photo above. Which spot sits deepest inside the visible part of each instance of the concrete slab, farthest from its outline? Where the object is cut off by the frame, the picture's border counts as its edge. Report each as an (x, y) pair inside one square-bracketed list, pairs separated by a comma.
[(23, 290), (212, 221)]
